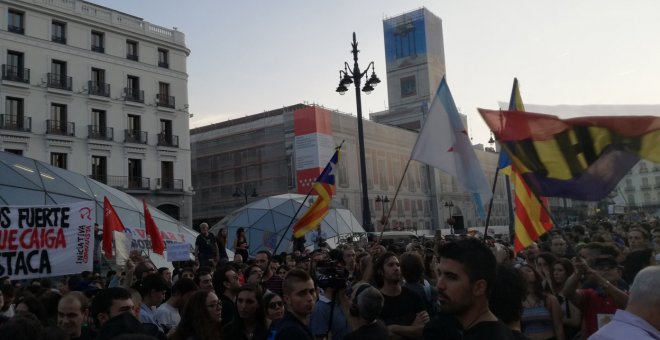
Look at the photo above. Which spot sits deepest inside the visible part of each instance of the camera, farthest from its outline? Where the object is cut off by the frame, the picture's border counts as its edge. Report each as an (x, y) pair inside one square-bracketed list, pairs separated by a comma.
[(331, 276)]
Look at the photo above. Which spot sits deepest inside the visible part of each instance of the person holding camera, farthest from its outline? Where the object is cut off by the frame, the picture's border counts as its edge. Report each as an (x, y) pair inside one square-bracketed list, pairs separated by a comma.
[(328, 319), (366, 305)]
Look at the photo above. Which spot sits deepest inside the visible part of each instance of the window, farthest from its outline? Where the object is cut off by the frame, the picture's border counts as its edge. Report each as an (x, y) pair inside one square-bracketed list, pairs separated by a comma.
[(133, 92), (14, 69), (98, 128), (15, 21), (132, 50), (13, 118), (15, 151), (97, 85), (408, 86), (134, 173), (167, 175), (163, 58), (57, 123), (163, 97), (99, 169), (58, 33), (58, 159), (166, 126), (164, 89), (133, 133), (57, 77), (133, 82), (97, 42), (134, 122)]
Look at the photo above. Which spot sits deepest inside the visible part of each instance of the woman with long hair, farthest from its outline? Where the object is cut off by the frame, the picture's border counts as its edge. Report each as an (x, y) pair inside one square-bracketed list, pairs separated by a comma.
[(200, 319), (274, 307), (240, 244), (544, 263), (221, 240), (541, 318), (251, 323), (572, 316)]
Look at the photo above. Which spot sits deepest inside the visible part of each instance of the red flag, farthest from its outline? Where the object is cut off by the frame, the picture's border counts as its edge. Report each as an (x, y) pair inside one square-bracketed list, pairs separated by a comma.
[(157, 244), (111, 222)]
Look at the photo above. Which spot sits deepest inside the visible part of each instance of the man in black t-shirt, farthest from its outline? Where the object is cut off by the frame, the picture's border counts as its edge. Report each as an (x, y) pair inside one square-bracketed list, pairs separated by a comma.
[(466, 273), (205, 246), (404, 311), (299, 296)]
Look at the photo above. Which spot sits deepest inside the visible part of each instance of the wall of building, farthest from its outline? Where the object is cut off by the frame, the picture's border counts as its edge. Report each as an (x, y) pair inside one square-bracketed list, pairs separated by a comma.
[(39, 49)]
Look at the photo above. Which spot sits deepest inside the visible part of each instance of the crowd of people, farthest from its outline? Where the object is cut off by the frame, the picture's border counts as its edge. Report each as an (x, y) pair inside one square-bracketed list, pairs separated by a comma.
[(596, 280)]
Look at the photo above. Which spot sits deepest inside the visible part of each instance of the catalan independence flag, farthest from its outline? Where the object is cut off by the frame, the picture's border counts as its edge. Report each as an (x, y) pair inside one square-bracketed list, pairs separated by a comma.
[(531, 219), (515, 104), (580, 158), (324, 187)]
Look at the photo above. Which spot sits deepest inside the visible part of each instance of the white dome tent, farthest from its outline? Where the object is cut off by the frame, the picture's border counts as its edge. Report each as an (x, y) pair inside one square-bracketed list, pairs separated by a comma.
[(266, 220)]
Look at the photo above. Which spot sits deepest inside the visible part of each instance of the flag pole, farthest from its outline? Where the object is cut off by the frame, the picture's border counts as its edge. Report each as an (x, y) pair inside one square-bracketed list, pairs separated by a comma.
[(389, 211), (302, 204), (490, 204)]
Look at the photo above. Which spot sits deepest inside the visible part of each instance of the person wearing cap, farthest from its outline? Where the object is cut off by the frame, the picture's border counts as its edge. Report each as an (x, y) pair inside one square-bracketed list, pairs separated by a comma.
[(640, 319), (598, 304)]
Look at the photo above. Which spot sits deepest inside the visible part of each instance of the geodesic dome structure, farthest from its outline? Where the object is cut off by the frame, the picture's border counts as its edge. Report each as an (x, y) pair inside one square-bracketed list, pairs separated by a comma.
[(25, 181), (265, 222)]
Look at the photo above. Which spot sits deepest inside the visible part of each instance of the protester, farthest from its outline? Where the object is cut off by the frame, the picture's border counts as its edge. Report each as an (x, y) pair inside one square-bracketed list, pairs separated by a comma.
[(206, 247), (274, 307), (241, 245), (299, 295), (412, 269), (541, 317), (328, 316), (109, 303), (251, 323), (640, 319), (404, 312), (366, 305), (204, 279), (225, 281), (167, 314), (269, 281), (466, 275), (152, 292), (200, 319), (72, 311), (506, 298), (572, 317), (221, 241)]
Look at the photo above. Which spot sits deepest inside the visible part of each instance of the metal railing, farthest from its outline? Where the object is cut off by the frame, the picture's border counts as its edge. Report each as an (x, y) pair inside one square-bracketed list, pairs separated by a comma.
[(98, 89), (58, 39), (163, 64), (133, 95), (100, 132), (165, 101), (59, 81), (16, 123), (169, 184), (16, 29), (15, 73), (133, 57), (60, 127), (99, 49), (165, 139), (124, 182), (135, 136)]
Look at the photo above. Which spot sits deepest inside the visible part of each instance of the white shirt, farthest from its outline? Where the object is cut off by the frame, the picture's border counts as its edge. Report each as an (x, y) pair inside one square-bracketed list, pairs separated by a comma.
[(167, 315)]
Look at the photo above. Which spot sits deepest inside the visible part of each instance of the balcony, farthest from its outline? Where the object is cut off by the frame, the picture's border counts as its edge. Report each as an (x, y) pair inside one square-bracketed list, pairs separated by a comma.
[(15, 73), (99, 49), (16, 123), (133, 57), (100, 132), (629, 188), (135, 136), (59, 81), (165, 139), (16, 29), (60, 127), (123, 182), (165, 101), (133, 95), (98, 89), (58, 39), (645, 187), (163, 64), (169, 184)]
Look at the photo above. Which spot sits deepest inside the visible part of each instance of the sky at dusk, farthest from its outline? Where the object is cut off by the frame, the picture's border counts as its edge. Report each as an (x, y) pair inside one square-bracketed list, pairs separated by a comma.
[(252, 56)]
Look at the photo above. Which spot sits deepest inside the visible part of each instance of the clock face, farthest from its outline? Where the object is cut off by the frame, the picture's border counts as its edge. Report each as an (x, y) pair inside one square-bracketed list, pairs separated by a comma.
[(408, 86)]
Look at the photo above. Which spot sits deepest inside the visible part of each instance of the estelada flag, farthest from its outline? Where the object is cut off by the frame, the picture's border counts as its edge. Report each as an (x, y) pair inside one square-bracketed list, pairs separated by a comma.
[(157, 244), (111, 222)]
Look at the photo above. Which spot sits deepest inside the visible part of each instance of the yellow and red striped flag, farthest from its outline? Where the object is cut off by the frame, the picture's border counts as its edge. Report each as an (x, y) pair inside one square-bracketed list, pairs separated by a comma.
[(531, 220), (324, 187)]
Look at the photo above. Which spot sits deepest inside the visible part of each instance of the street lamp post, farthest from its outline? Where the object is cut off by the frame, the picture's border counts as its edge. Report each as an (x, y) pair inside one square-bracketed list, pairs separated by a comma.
[(346, 77), (238, 192), (449, 205), (383, 201)]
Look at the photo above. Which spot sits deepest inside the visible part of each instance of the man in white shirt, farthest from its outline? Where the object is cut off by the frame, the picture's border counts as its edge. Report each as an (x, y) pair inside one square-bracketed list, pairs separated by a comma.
[(167, 314)]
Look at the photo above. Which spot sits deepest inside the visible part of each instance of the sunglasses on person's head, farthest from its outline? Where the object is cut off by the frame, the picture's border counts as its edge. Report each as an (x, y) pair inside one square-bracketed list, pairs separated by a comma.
[(275, 304)]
